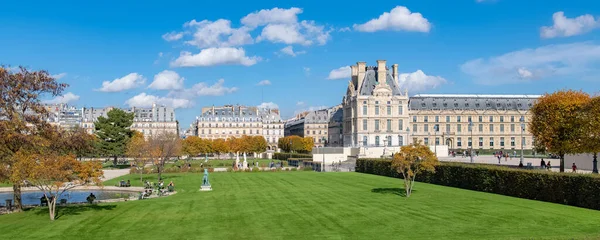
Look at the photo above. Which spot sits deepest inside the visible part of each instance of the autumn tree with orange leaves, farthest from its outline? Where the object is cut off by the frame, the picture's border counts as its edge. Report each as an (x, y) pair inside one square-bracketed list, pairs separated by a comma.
[(412, 160), (22, 115), (557, 124)]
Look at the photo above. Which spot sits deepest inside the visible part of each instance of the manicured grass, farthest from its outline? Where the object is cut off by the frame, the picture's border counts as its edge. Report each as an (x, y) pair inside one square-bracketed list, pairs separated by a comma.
[(309, 205), (5, 184)]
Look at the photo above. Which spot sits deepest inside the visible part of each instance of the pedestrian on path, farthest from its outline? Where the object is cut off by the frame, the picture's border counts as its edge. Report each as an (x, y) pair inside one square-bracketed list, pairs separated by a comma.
[(574, 167), (543, 164), (549, 166)]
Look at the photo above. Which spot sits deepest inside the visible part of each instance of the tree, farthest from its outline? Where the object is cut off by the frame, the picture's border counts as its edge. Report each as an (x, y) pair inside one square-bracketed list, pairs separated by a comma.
[(163, 147), (412, 160), (259, 144), (591, 139), (556, 122), (138, 149), (53, 174), (307, 144), (82, 143), (219, 146), (114, 133), (192, 146), (21, 116), (284, 144)]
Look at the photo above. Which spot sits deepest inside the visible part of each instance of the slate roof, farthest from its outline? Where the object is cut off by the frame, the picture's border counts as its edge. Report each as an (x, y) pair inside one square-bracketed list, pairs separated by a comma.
[(471, 102), (371, 80)]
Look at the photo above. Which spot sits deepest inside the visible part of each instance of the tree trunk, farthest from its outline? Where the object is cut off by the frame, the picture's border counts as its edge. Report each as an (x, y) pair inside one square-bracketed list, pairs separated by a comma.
[(562, 162), (52, 207), (115, 161), (18, 203)]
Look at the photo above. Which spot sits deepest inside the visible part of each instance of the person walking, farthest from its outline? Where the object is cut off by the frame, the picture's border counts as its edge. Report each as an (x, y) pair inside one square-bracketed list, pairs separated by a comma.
[(549, 166), (574, 167), (543, 164)]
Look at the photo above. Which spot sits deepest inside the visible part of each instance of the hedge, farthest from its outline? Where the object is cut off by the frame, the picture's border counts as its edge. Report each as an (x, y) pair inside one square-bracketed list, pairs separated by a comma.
[(580, 190), (285, 156)]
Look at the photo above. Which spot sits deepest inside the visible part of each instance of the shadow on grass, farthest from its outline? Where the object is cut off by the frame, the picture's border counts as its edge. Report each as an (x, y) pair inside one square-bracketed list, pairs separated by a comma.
[(73, 209), (395, 191)]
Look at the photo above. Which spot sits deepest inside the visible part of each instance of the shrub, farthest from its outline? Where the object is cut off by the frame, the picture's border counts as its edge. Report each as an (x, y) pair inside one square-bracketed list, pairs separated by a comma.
[(229, 169), (294, 169), (255, 169), (564, 188), (307, 169), (285, 156)]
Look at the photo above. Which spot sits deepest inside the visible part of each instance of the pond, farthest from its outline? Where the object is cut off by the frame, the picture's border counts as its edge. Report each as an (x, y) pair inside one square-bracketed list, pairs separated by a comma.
[(76, 196)]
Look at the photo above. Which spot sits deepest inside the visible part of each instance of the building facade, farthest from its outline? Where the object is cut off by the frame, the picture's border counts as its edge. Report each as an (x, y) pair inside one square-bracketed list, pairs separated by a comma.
[(480, 121), (375, 110), (235, 121), (149, 121), (313, 124)]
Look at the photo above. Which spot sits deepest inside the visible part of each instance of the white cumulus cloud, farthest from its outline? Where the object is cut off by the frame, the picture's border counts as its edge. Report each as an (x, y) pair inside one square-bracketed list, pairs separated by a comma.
[(268, 105), (264, 83), (340, 73), (398, 19), (218, 34), (66, 98), (289, 50), (566, 27), (203, 89), (274, 15), (575, 60), (59, 76), (300, 103), (419, 81), (167, 80), (129, 81), (172, 36), (146, 100), (215, 56)]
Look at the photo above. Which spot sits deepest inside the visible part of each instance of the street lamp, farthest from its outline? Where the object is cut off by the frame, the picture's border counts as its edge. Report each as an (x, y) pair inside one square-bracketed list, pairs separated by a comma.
[(471, 131), (323, 162), (522, 129), (435, 130)]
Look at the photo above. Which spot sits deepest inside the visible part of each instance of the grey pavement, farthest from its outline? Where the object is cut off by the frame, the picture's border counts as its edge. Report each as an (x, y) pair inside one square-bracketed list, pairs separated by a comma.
[(490, 159)]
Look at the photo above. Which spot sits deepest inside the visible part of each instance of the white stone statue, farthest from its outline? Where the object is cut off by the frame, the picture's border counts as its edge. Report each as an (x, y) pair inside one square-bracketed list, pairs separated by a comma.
[(245, 162)]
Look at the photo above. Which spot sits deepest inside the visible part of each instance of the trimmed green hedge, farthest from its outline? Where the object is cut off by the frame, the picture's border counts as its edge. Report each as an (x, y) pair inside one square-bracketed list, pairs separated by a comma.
[(285, 156), (580, 190)]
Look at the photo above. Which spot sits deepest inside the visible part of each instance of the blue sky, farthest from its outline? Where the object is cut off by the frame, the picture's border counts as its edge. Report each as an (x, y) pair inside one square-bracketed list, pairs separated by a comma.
[(191, 54)]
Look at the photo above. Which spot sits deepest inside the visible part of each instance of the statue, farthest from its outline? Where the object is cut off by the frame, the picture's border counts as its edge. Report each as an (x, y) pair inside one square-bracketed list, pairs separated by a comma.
[(205, 184)]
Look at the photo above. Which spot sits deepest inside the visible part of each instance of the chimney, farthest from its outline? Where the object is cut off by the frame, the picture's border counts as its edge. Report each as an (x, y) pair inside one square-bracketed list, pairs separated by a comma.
[(395, 74), (361, 68), (354, 75), (381, 71)]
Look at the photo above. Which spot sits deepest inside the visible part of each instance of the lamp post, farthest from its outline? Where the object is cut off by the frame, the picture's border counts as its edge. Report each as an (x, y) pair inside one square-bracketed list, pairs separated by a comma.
[(323, 162), (522, 129), (435, 130), (471, 131)]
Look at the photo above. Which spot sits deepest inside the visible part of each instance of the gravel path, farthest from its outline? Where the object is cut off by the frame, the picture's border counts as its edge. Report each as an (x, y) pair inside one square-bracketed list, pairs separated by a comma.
[(114, 173)]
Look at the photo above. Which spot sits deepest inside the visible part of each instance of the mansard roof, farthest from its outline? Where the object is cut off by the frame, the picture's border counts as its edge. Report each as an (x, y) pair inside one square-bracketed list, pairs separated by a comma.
[(371, 80), (472, 102)]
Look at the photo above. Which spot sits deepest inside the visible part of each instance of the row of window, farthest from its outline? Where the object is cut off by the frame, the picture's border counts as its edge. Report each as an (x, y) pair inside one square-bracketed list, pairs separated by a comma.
[(388, 108), (481, 141), (217, 119), (265, 132), (469, 118), (243, 125), (389, 126), (490, 128), (477, 105), (315, 132), (387, 141)]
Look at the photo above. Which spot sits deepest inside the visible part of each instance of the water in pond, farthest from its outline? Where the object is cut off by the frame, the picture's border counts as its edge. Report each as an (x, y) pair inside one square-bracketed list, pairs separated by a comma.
[(79, 196)]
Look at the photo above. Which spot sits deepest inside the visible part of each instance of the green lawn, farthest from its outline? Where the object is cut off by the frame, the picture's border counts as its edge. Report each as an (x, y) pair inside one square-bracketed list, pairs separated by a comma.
[(309, 205)]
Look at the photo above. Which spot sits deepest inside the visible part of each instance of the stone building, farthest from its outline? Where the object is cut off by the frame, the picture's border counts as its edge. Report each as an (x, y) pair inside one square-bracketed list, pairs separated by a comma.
[(235, 121), (314, 124), (375, 110), (149, 121), (63, 115), (443, 119), (335, 133)]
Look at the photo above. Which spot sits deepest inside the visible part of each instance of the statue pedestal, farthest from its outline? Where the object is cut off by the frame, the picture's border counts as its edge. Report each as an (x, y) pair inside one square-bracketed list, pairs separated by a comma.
[(205, 188)]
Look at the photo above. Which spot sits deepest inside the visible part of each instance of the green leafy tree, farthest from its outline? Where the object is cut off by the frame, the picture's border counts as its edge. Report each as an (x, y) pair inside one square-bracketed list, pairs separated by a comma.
[(556, 123), (412, 160), (113, 133)]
